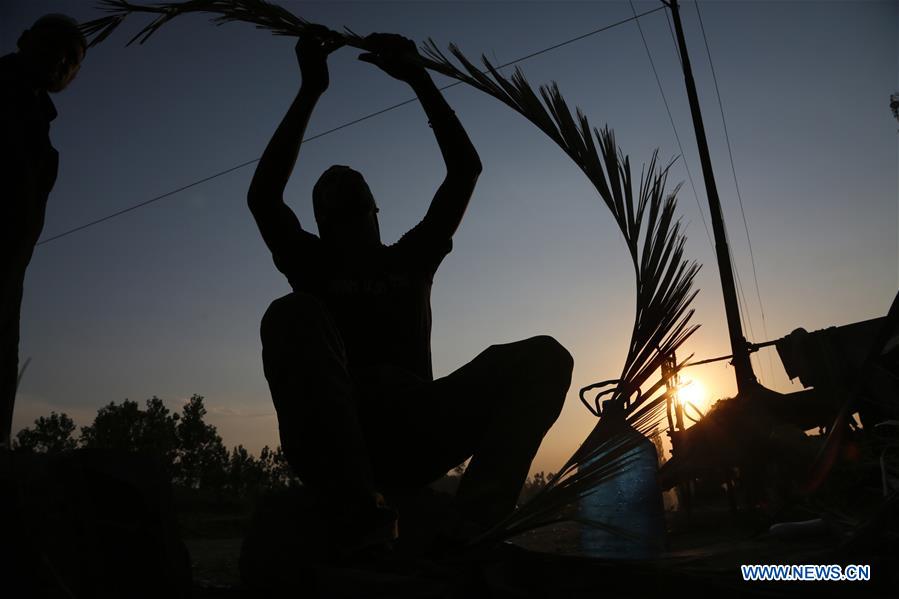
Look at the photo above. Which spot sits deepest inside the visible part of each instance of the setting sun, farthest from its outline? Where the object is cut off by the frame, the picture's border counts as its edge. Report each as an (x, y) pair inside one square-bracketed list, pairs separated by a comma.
[(692, 391)]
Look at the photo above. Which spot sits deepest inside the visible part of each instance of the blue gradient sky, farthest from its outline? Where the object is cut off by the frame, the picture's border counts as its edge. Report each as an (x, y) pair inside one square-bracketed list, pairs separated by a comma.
[(166, 300)]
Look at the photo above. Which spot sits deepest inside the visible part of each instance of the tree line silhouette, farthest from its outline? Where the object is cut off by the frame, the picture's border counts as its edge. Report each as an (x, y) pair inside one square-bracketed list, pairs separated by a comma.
[(188, 449)]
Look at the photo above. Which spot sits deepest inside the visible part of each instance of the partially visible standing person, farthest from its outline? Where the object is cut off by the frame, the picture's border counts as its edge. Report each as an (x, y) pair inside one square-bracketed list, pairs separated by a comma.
[(47, 60)]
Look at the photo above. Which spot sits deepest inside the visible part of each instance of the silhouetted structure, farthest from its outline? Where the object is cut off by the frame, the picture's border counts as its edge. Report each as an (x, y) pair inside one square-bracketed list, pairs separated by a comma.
[(347, 354), (49, 55), (744, 439)]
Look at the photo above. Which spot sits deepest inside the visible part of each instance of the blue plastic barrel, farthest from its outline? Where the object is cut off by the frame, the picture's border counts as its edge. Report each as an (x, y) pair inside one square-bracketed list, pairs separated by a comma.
[(631, 501)]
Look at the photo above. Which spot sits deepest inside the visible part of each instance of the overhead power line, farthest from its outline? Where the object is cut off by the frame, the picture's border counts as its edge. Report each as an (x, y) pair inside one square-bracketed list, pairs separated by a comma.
[(338, 128)]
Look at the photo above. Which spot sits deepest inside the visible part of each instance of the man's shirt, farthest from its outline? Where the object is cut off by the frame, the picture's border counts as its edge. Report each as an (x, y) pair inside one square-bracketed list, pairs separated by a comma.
[(381, 303)]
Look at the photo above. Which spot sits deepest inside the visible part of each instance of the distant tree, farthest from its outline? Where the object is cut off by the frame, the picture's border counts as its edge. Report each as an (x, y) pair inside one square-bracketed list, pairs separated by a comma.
[(51, 434), (278, 473), (115, 427), (126, 427), (202, 457), (246, 474), (191, 450), (160, 430), (533, 484)]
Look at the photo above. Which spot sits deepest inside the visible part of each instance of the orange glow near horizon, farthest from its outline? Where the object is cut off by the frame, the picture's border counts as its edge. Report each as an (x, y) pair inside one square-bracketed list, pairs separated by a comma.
[(694, 392)]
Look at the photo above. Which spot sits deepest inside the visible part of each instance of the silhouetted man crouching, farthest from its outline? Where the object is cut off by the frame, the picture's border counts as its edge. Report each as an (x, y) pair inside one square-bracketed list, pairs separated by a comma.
[(347, 355)]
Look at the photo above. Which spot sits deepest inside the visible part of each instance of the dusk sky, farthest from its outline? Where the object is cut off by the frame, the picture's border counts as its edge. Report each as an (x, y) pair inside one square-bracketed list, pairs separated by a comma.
[(166, 300)]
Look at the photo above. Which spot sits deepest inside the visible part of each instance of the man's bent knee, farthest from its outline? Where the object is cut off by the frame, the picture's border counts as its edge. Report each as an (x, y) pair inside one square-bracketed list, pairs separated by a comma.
[(298, 333), (554, 365), (551, 357), (293, 317)]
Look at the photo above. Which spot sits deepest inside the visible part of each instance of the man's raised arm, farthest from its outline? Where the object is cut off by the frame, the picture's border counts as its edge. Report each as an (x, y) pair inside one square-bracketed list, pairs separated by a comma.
[(277, 223), (395, 56)]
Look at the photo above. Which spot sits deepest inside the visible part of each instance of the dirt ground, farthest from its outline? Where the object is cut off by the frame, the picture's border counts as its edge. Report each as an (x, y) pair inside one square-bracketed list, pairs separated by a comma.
[(215, 561)]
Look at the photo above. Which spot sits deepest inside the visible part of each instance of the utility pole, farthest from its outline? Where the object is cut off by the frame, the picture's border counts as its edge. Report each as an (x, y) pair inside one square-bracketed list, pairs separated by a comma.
[(739, 347)]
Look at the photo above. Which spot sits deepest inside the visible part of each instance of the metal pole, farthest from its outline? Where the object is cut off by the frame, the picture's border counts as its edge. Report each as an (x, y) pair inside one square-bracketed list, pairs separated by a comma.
[(742, 366)]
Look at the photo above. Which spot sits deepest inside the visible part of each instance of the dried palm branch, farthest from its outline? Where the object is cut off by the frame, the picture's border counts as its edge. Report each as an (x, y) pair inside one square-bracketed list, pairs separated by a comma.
[(643, 211), (264, 15)]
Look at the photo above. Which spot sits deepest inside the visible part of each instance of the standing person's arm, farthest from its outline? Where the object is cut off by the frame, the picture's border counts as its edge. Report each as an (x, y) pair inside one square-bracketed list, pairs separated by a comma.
[(396, 56), (277, 222)]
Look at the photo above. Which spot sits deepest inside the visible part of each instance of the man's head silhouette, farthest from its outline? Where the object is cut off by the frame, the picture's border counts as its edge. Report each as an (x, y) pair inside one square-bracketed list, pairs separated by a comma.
[(52, 50), (345, 209)]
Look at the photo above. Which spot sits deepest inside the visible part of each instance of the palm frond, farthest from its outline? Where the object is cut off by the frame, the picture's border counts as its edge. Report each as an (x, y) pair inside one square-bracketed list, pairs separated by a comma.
[(264, 15)]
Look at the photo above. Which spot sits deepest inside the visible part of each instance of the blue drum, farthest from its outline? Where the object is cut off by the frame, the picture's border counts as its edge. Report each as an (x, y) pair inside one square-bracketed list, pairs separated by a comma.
[(632, 501)]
